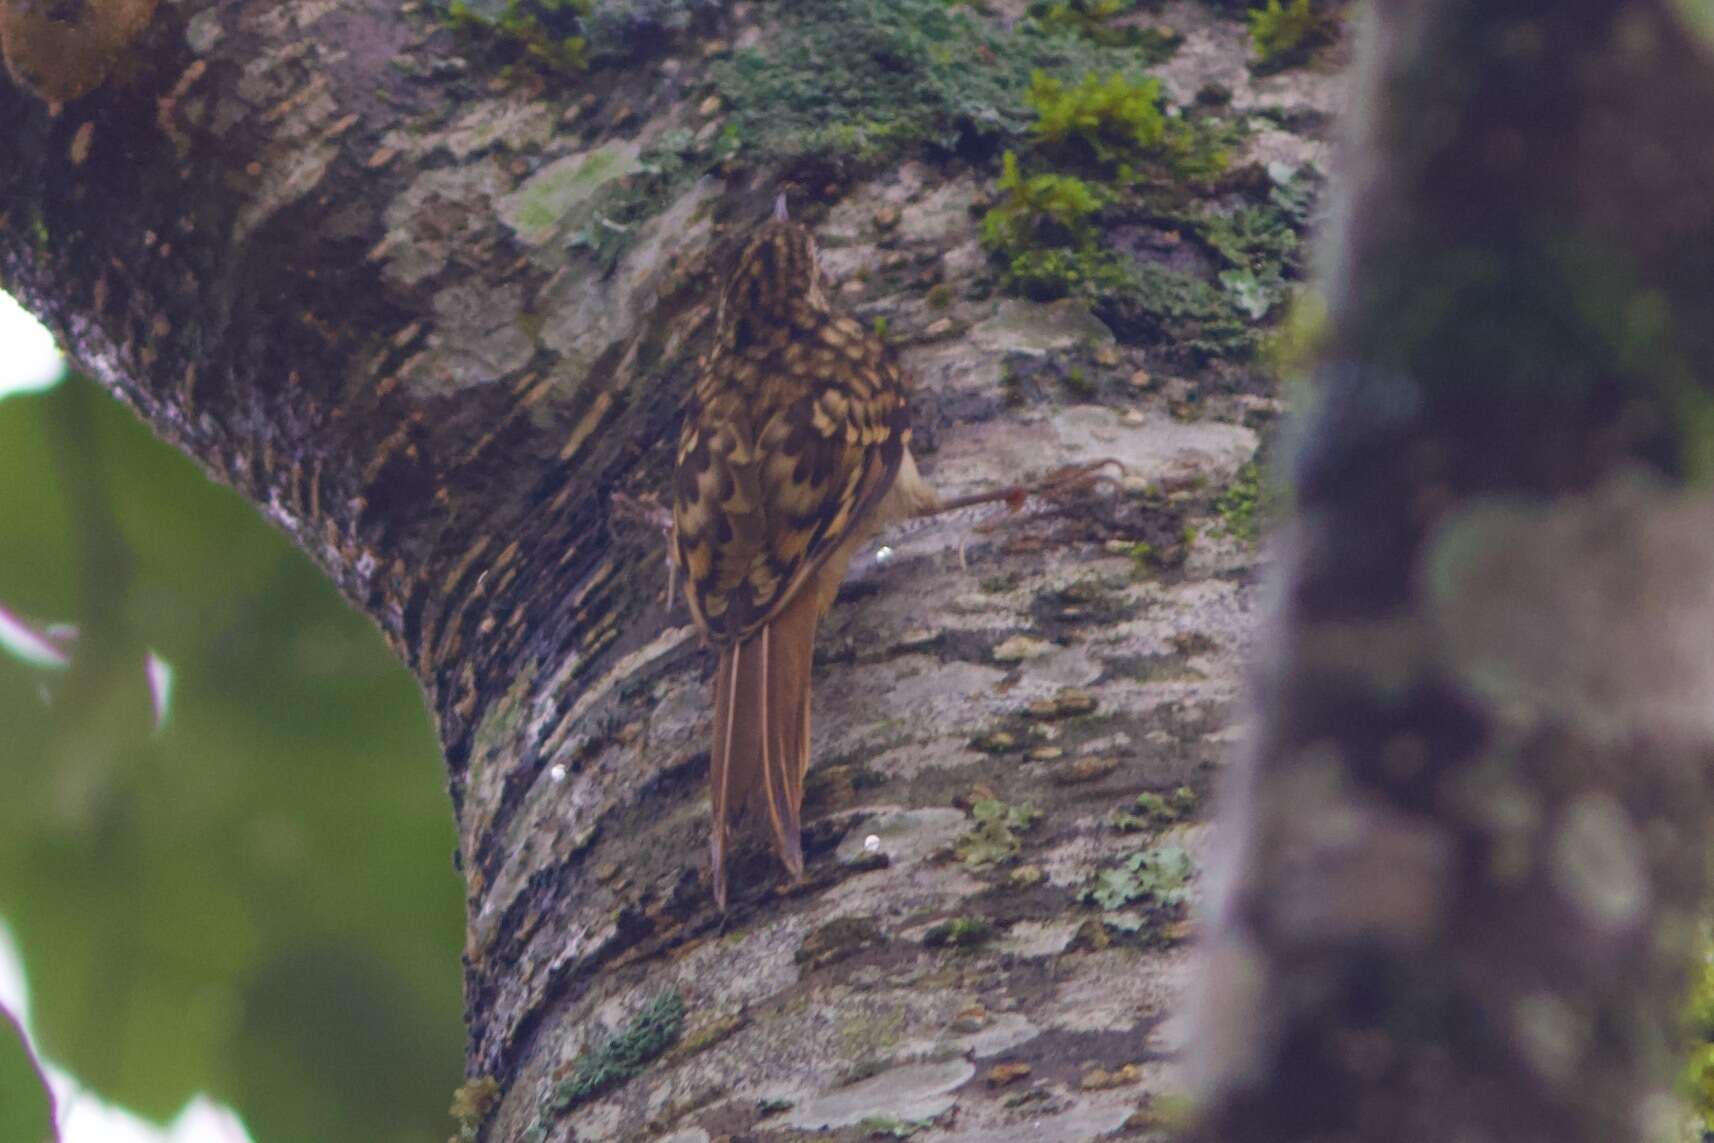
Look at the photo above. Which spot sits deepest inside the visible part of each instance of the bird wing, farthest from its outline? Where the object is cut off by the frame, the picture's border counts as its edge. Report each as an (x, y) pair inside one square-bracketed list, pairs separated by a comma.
[(773, 477)]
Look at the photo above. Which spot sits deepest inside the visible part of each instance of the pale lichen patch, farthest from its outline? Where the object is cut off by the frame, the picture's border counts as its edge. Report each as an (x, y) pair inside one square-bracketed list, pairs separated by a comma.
[(203, 31), (585, 314), (301, 173), (998, 1034), (1039, 328), (507, 125), (1088, 1116), (1598, 863), (282, 19), (1354, 868), (485, 783), (479, 337), (1550, 1033), (1033, 940), (906, 837), (914, 1091), (442, 211), (1115, 990), (1593, 610), (746, 968), (560, 197), (1498, 803), (552, 733), (512, 124)]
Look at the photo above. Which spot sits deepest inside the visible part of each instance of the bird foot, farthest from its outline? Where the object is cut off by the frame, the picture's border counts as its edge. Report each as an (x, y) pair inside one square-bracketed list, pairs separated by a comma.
[(647, 511)]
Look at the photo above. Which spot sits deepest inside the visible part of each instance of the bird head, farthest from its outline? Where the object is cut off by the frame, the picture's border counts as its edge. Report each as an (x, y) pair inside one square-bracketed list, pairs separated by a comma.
[(775, 272)]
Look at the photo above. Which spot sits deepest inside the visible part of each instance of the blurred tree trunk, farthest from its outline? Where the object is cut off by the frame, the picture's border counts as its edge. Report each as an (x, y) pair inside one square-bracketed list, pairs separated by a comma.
[(1468, 841), (352, 275)]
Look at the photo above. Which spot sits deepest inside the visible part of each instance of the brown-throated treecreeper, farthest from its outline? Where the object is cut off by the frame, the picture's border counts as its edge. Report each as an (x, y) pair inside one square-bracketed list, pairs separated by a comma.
[(795, 448)]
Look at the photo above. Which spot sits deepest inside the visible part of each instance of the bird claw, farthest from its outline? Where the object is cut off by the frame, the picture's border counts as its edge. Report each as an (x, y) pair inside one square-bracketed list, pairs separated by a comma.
[(645, 509), (648, 511)]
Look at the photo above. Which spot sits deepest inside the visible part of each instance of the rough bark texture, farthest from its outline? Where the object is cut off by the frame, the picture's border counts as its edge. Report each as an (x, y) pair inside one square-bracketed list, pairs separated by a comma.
[(329, 258), (1467, 846)]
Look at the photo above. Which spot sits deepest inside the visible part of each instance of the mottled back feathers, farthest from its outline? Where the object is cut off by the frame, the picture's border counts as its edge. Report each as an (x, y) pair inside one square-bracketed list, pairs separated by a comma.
[(794, 434)]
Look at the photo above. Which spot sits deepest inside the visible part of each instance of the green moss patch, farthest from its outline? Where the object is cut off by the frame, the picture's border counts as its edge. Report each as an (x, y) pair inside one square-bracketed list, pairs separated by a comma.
[(994, 838), (1066, 232), (1260, 244), (960, 933), (890, 1127), (1241, 503), (1116, 198), (866, 81), (1103, 22), (665, 168), (471, 1105), (837, 940), (1105, 158), (1152, 876), (564, 194), (1152, 811), (567, 37), (547, 34), (1283, 34), (612, 1059), (1040, 213), (1112, 117), (1696, 1081)]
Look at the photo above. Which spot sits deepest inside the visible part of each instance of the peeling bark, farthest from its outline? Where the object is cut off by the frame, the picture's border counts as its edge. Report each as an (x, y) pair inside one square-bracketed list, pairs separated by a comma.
[(1466, 844)]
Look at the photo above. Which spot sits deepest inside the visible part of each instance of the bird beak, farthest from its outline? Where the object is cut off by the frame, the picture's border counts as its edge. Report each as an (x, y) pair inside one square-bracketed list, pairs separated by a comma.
[(780, 214)]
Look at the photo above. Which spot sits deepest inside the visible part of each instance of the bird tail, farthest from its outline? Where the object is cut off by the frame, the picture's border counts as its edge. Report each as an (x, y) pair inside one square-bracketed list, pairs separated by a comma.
[(761, 733)]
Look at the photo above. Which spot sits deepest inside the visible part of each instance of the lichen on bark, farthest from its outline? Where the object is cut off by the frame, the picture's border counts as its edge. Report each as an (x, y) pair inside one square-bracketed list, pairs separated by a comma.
[(361, 277), (1457, 875)]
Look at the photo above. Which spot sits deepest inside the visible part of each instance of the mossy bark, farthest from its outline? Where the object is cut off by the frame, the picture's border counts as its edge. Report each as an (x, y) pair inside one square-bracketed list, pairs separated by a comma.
[(1466, 848), (378, 290)]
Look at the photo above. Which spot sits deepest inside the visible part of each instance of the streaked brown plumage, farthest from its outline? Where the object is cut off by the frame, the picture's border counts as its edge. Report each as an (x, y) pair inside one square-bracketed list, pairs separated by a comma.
[(795, 448)]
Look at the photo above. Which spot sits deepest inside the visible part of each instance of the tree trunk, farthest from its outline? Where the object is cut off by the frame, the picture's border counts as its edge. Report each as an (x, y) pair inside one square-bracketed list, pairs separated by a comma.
[(1467, 844), (370, 285)]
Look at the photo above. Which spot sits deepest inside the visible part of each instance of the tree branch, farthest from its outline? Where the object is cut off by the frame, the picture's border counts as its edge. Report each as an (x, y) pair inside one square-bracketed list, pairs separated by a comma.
[(1466, 840), (352, 275)]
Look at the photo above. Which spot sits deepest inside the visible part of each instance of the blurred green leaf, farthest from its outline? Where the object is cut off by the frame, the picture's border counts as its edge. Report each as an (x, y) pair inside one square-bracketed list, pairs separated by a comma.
[(26, 1109), (257, 899), (348, 1056)]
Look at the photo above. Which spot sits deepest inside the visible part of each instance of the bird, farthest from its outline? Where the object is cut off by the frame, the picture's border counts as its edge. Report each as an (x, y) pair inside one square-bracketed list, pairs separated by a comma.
[(795, 449)]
